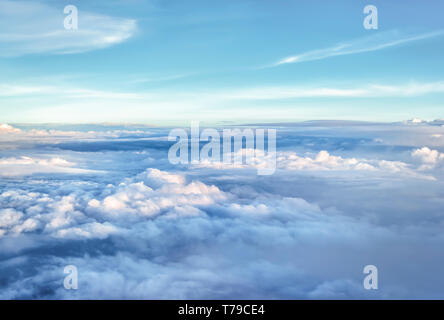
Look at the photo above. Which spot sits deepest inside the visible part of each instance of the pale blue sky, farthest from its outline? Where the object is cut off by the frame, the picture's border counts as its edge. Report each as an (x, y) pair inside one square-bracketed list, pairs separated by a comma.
[(173, 61)]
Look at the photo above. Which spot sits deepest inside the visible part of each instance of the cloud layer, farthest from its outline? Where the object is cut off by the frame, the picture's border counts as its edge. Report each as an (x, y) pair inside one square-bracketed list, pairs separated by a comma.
[(343, 197)]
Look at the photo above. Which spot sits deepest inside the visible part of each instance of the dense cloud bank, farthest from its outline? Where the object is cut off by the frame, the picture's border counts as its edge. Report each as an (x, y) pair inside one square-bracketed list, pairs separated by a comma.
[(107, 201)]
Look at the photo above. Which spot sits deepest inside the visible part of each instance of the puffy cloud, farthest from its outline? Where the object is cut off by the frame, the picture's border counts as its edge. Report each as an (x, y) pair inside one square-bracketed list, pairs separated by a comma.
[(322, 161), (428, 156), (87, 231), (156, 177), (13, 222), (225, 261), (6, 128), (9, 217), (155, 191)]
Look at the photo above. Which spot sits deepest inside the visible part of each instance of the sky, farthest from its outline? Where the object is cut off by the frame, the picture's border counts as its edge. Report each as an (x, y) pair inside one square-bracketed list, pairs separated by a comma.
[(172, 62)]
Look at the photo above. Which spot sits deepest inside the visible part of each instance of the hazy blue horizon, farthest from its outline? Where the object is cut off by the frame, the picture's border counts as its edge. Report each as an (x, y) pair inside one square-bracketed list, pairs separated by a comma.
[(242, 61)]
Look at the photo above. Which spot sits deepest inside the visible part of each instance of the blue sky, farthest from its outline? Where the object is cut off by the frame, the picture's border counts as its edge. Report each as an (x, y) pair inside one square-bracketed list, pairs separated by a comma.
[(165, 62)]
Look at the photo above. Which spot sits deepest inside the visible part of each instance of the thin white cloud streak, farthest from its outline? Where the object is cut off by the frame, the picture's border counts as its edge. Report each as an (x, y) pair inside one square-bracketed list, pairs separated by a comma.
[(37, 28), (160, 78), (24, 166), (7, 90), (370, 91), (368, 44), (253, 93)]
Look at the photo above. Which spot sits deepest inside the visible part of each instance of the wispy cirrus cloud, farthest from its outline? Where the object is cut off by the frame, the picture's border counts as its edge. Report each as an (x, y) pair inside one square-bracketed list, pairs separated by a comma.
[(24, 166), (248, 93), (373, 43), (37, 28), (13, 90), (367, 91)]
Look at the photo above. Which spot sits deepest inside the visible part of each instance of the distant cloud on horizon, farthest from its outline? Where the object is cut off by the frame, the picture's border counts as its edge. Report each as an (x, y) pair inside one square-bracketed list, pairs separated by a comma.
[(186, 105)]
